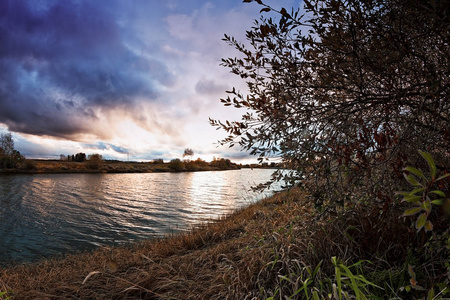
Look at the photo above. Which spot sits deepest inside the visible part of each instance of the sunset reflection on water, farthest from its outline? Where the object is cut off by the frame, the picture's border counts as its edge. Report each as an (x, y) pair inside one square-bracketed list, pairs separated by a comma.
[(50, 214)]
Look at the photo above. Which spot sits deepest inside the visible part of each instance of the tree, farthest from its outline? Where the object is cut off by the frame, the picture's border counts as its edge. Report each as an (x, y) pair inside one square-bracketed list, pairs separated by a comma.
[(80, 157), (94, 161), (189, 153), (7, 144), (158, 161), (9, 157), (176, 165), (345, 93)]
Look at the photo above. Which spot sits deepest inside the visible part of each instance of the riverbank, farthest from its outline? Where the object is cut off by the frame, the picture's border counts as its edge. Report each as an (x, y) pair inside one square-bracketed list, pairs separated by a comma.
[(31, 166), (272, 248)]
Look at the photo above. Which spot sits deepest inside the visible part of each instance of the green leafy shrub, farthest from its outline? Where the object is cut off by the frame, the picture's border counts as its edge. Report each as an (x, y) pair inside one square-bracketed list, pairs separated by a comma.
[(434, 253), (423, 196)]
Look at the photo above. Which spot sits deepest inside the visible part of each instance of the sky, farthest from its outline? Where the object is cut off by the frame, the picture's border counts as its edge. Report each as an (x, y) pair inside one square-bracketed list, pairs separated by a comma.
[(122, 78)]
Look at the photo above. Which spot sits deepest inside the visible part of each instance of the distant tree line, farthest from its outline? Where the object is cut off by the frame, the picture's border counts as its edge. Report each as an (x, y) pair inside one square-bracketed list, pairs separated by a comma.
[(158, 161), (177, 165), (79, 157), (93, 161)]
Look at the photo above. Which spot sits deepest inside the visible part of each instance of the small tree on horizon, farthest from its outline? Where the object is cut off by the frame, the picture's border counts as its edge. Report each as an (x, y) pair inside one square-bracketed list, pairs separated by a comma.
[(176, 165), (188, 152), (95, 160)]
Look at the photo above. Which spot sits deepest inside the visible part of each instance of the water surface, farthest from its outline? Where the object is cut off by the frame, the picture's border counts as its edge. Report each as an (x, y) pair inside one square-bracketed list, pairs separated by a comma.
[(46, 215)]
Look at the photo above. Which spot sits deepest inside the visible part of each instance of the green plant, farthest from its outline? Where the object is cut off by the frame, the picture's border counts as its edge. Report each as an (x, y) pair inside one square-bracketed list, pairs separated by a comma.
[(4, 296), (348, 282), (346, 278), (310, 279), (423, 196), (317, 98)]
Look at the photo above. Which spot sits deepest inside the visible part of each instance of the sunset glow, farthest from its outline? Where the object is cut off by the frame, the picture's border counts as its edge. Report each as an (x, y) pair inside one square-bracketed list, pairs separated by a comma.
[(119, 78)]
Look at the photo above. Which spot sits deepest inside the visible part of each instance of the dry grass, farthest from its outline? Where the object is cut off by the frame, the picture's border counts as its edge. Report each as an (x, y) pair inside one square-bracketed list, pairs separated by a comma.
[(56, 166), (222, 259), (242, 256), (52, 166)]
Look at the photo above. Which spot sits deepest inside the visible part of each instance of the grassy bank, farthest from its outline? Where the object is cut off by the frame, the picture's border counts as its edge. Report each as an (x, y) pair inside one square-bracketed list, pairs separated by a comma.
[(277, 248), (31, 166)]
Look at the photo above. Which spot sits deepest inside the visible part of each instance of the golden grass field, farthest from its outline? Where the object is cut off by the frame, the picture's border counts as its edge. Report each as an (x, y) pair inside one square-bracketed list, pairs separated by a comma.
[(48, 166)]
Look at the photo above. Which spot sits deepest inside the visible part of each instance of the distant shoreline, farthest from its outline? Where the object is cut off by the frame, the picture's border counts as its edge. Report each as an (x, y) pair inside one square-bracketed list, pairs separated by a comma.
[(114, 167)]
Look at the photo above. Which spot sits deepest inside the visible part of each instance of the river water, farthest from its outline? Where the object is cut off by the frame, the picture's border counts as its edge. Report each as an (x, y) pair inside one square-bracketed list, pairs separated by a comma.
[(47, 215)]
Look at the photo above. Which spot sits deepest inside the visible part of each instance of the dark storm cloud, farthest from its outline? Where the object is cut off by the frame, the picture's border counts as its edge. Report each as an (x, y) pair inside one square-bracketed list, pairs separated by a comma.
[(62, 61)]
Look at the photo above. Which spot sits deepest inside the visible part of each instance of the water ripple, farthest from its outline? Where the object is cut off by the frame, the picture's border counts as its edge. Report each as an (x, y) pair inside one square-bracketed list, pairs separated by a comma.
[(51, 214)]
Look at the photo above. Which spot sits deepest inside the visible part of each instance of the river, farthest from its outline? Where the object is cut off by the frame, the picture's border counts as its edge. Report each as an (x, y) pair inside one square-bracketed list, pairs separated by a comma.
[(47, 215)]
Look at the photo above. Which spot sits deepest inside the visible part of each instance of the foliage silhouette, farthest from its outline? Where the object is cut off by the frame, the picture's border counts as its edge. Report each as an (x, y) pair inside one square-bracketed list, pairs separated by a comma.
[(344, 93)]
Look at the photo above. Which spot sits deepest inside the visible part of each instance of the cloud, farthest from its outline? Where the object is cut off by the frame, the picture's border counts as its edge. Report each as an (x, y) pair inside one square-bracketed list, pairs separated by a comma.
[(119, 149), (104, 146), (63, 63), (209, 86), (139, 77)]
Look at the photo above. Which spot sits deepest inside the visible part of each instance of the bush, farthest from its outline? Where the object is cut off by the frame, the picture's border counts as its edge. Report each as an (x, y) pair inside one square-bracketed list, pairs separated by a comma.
[(176, 165), (30, 165), (94, 161), (346, 102), (11, 161)]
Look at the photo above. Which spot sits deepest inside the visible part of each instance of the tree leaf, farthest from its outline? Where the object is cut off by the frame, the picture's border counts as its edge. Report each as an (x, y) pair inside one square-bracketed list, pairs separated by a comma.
[(427, 156), (426, 206), (439, 193), (443, 176), (438, 201), (265, 9), (412, 198), (411, 211), (428, 226), (421, 221), (415, 172), (411, 179), (403, 193), (419, 190), (411, 193), (285, 13)]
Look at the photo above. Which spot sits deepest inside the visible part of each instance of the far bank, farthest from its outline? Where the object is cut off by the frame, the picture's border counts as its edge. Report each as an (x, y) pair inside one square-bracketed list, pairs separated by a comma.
[(31, 166)]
